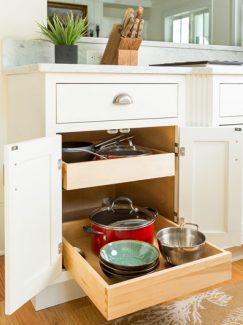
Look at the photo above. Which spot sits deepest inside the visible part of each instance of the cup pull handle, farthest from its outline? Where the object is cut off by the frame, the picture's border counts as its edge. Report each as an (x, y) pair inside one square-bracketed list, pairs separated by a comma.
[(123, 99)]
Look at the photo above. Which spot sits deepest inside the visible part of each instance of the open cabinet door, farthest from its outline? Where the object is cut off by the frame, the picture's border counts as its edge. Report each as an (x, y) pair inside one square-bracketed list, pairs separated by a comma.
[(32, 218), (210, 182)]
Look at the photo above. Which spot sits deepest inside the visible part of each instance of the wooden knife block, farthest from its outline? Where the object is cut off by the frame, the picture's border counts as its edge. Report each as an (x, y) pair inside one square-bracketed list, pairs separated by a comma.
[(121, 50)]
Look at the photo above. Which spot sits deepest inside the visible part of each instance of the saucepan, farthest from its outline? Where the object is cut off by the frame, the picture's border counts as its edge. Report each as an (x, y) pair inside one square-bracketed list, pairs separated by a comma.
[(181, 245), (121, 220)]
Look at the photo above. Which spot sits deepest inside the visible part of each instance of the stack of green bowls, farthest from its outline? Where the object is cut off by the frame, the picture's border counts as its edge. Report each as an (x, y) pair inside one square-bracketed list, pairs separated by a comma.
[(126, 259)]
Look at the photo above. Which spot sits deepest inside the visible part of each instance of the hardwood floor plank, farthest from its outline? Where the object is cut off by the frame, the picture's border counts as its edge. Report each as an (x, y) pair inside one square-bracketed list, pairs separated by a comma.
[(76, 312), (1, 278)]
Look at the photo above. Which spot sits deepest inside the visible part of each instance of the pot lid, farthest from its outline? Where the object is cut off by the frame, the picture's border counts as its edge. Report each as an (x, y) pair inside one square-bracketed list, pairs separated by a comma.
[(124, 151), (120, 216)]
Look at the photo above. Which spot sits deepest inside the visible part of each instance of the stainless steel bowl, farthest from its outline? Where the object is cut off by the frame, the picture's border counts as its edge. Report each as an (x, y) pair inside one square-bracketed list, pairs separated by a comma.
[(181, 245)]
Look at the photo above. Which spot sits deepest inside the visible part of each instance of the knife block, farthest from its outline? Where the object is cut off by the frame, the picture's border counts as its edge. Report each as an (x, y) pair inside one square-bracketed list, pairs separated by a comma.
[(121, 50)]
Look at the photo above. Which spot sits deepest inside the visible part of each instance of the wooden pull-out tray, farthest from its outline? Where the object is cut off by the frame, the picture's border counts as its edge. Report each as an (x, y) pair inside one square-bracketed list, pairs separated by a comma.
[(114, 171), (115, 299)]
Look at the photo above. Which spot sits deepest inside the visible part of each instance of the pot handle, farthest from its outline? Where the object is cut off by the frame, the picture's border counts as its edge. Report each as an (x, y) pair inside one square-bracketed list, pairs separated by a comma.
[(123, 199), (91, 231), (189, 223), (155, 211)]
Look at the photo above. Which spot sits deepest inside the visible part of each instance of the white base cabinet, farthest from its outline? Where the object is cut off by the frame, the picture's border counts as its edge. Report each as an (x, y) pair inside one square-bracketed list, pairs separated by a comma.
[(191, 175)]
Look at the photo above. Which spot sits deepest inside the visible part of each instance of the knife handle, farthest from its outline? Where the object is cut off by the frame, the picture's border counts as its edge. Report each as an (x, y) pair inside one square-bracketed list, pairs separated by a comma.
[(127, 16), (140, 28), (125, 32), (139, 12), (135, 28)]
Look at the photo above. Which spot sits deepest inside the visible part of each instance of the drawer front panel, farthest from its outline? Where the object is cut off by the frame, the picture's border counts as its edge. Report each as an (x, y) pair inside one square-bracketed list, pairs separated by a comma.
[(77, 103), (116, 171), (231, 103)]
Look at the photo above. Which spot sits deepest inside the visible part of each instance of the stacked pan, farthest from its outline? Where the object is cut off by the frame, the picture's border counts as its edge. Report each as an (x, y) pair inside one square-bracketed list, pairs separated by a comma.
[(126, 259), (78, 151)]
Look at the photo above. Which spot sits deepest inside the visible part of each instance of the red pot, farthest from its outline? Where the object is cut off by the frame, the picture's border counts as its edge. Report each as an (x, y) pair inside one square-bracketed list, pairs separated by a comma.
[(121, 221)]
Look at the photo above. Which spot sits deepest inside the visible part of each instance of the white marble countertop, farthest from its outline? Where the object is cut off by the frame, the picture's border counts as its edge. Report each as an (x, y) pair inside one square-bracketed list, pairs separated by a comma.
[(84, 68)]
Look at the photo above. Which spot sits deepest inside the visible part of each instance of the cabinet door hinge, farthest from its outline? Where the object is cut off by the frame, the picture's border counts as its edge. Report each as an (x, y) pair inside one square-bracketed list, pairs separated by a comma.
[(59, 164), (179, 151), (175, 217), (13, 148), (182, 151), (60, 248)]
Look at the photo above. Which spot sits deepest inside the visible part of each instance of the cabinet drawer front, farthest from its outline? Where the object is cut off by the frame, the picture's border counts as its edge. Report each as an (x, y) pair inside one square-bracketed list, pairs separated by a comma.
[(94, 102), (111, 298), (231, 103), (116, 171)]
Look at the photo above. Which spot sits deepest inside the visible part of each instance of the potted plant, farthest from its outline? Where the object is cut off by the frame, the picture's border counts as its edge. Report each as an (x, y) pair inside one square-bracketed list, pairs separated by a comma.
[(64, 32)]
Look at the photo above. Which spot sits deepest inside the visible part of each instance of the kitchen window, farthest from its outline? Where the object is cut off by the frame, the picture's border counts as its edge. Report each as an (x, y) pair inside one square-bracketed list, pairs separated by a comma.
[(189, 27)]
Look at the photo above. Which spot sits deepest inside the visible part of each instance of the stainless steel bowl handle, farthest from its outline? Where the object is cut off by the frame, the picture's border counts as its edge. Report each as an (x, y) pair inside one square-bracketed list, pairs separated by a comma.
[(189, 223), (123, 99), (91, 231), (123, 199)]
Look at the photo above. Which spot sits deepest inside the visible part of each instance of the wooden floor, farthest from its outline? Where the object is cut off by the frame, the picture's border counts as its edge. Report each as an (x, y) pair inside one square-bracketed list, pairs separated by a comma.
[(77, 312)]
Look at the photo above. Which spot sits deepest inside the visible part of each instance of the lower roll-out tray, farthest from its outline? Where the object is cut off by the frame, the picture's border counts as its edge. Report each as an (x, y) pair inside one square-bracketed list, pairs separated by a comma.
[(115, 299)]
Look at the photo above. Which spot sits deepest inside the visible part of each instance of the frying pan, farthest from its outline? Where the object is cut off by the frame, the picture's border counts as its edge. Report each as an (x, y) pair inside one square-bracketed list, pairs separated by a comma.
[(77, 151)]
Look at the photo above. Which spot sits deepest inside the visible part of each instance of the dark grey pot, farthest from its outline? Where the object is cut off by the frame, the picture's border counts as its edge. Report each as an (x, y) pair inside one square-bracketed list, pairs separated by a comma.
[(66, 54)]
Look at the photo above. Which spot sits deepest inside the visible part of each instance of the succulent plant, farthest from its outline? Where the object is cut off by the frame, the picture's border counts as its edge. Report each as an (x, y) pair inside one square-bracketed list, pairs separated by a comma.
[(64, 30)]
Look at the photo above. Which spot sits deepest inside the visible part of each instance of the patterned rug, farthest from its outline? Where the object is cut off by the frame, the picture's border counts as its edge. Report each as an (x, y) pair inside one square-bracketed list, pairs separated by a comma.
[(221, 306)]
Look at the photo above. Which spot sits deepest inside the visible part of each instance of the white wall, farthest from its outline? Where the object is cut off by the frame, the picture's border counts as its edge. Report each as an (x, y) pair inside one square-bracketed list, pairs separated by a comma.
[(17, 19), (222, 22)]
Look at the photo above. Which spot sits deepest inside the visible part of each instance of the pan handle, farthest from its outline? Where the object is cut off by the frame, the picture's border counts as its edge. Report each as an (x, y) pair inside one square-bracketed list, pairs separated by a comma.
[(91, 231), (93, 153), (155, 211)]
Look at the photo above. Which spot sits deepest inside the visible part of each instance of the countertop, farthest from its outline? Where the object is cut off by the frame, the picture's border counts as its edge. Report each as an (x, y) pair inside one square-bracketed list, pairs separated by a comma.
[(110, 69)]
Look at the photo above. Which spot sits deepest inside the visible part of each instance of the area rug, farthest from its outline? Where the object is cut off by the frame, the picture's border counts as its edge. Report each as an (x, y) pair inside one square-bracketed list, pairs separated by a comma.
[(220, 306)]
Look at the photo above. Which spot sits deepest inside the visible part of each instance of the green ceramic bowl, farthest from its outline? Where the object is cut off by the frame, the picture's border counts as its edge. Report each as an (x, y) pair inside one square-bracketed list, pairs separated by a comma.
[(130, 273), (129, 254)]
